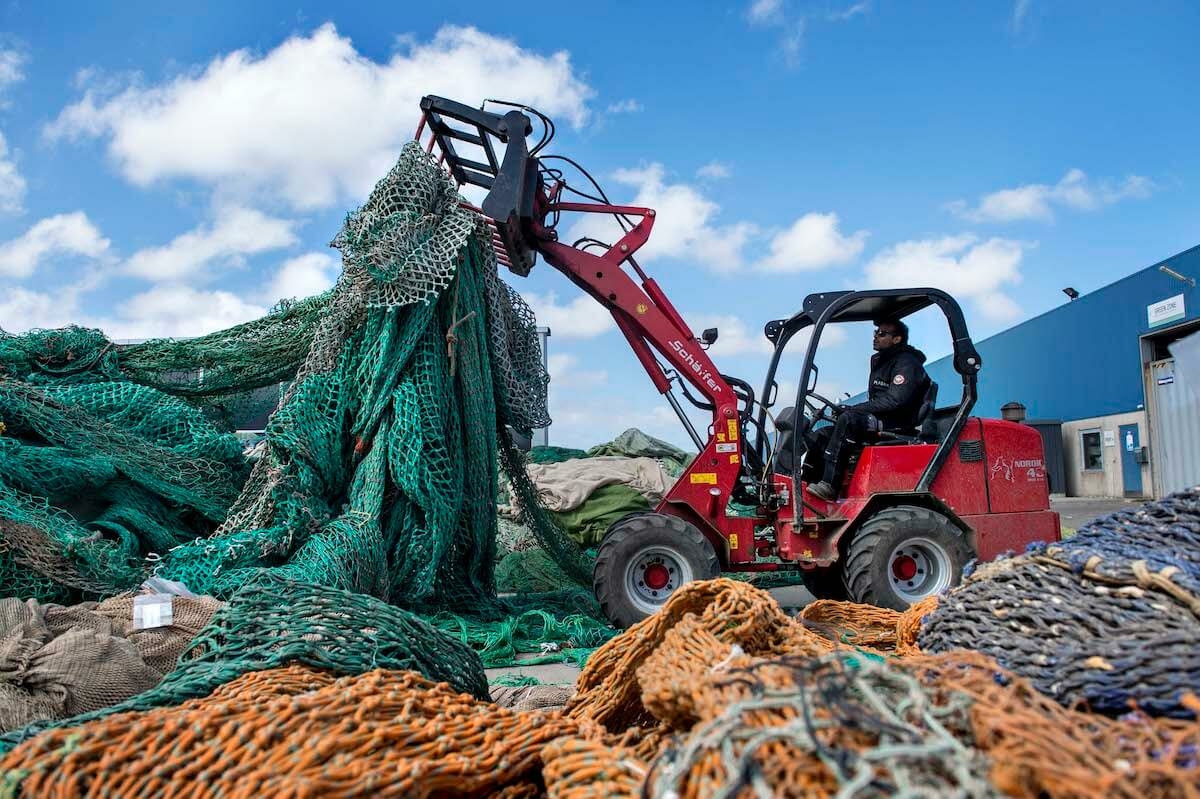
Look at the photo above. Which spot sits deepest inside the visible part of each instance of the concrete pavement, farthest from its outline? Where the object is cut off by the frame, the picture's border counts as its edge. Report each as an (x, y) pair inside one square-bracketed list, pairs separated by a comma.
[(1075, 512)]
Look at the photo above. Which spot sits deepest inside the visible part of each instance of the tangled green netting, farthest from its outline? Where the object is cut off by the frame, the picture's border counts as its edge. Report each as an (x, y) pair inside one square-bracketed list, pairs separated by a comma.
[(378, 470)]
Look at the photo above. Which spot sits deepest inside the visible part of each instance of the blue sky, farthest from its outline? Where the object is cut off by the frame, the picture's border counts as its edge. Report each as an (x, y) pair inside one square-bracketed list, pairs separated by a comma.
[(176, 170)]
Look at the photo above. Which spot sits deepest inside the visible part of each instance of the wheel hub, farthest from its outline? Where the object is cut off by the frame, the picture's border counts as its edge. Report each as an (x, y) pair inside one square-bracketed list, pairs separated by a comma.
[(919, 567), (904, 567), (653, 574), (656, 576)]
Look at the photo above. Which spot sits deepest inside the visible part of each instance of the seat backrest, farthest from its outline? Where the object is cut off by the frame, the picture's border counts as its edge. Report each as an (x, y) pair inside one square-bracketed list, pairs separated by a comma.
[(926, 424)]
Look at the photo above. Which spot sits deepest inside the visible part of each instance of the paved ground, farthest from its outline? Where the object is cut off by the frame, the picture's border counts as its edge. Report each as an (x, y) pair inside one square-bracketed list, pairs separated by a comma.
[(1078, 511), (1075, 512)]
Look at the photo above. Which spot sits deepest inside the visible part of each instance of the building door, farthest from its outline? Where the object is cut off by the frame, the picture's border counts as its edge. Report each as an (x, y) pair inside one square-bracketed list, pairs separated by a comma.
[(1176, 425), (1131, 469)]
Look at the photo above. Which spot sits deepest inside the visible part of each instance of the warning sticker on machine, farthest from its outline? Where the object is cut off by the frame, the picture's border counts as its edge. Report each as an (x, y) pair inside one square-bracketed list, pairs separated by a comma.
[(705, 477), (727, 447), (733, 541), (733, 430)]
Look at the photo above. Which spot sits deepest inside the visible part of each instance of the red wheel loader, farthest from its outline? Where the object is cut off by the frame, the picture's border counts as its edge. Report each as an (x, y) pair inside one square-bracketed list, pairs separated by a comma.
[(916, 505)]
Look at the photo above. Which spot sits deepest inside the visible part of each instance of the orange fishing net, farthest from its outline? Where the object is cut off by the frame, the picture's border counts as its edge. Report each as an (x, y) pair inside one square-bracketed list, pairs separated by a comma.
[(589, 769), (738, 613), (297, 731), (734, 612)]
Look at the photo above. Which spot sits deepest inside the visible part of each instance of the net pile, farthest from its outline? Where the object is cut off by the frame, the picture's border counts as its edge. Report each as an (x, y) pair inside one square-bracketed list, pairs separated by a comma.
[(272, 622), (1109, 617), (298, 731), (377, 472), (742, 701), (713, 717)]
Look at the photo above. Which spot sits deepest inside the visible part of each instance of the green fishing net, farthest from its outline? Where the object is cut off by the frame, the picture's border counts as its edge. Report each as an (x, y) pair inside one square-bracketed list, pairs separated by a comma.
[(377, 472)]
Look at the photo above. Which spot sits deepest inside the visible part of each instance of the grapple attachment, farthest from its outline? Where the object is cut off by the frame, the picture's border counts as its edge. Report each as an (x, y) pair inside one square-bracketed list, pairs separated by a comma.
[(467, 139)]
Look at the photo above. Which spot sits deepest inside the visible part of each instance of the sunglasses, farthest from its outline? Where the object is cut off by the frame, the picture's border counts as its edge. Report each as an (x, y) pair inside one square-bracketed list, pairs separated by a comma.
[(879, 332)]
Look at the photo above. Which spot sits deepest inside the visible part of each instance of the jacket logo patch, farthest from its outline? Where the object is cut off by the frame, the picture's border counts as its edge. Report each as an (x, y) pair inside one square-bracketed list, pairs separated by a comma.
[(898, 380)]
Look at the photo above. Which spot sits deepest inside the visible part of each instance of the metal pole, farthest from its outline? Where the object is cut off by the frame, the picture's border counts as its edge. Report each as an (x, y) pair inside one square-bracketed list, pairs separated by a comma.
[(541, 437)]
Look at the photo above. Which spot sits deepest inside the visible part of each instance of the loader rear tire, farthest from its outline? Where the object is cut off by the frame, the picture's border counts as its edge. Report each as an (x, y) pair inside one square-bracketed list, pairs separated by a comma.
[(903, 554), (643, 559)]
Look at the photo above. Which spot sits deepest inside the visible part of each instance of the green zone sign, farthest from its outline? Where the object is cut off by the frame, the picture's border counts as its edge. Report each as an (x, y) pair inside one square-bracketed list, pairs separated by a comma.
[(1168, 310)]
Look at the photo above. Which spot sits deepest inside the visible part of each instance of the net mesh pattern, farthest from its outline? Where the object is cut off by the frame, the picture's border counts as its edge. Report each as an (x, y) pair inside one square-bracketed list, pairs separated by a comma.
[(379, 466)]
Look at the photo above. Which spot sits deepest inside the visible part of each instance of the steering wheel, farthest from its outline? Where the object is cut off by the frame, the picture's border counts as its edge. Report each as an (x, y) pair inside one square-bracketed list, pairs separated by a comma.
[(828, 410)]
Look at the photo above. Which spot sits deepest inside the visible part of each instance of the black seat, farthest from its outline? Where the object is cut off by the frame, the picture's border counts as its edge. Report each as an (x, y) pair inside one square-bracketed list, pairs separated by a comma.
[(785, 423), (926, 428)]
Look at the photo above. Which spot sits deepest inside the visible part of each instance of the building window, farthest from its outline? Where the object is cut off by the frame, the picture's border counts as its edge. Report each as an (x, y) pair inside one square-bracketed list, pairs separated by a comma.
[(1093, 451)]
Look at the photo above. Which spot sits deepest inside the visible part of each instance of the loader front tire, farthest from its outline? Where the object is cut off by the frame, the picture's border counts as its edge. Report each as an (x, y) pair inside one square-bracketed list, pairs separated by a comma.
[(903, 554), (643, 559)]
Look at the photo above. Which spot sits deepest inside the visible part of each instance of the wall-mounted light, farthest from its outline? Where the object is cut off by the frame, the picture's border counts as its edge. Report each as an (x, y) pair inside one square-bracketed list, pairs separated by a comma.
[(1166, 270), (1072, 293)]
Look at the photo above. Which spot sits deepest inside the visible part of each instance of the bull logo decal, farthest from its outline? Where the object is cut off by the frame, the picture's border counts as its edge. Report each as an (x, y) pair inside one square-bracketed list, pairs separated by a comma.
[(1002, 468)]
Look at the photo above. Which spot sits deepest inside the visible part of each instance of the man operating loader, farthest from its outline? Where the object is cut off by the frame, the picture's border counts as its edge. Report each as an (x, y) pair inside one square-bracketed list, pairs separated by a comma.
[(897, 388)]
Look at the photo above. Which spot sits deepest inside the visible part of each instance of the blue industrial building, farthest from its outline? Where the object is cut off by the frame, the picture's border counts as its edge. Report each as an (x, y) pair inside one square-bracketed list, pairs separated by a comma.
[(1103, 366)]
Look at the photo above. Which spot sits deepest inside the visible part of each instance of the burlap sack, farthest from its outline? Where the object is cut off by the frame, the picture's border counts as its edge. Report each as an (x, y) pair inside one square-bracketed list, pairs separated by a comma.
[(56, 662), (161, 647)]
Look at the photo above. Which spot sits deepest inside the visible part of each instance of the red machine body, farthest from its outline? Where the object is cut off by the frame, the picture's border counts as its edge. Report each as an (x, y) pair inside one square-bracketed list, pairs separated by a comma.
[(994, 483), (986, 476)]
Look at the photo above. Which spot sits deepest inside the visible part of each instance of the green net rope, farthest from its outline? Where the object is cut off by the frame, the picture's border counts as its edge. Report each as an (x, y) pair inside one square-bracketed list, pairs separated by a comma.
[(378, 470)]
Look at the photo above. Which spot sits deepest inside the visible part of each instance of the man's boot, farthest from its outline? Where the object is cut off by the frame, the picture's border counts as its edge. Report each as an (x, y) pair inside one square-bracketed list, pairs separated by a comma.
[(823, 490)]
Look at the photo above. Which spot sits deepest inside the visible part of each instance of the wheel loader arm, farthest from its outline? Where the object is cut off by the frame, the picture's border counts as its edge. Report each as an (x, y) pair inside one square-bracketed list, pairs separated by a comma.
[(525, 208)]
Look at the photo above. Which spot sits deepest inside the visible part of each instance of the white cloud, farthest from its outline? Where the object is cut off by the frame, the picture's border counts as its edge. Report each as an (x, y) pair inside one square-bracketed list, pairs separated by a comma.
[(304, 276), (566, 374), (762, 11), (684, 222), (12, 63), (178, 311), (792, 43), (850, 13), (22, 310), (582, 317), (1020, 12), (237, 232), (714, 170), (1037, 200), (793, 25), (12, 185), (963, 265), (65, 234), (313, 120), (812, 242), (625, 107), (734, 338)]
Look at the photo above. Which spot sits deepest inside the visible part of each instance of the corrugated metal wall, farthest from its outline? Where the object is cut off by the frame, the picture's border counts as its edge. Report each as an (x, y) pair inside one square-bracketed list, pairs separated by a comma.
[(1081, 360), (1176, 414)]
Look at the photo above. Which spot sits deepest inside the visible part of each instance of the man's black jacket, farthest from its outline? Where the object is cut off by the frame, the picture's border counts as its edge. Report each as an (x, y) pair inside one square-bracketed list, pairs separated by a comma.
[(898, 384)]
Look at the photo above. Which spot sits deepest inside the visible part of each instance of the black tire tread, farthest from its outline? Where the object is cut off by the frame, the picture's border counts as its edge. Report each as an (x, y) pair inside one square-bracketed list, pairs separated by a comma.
[(608, 591), (856, 575)]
